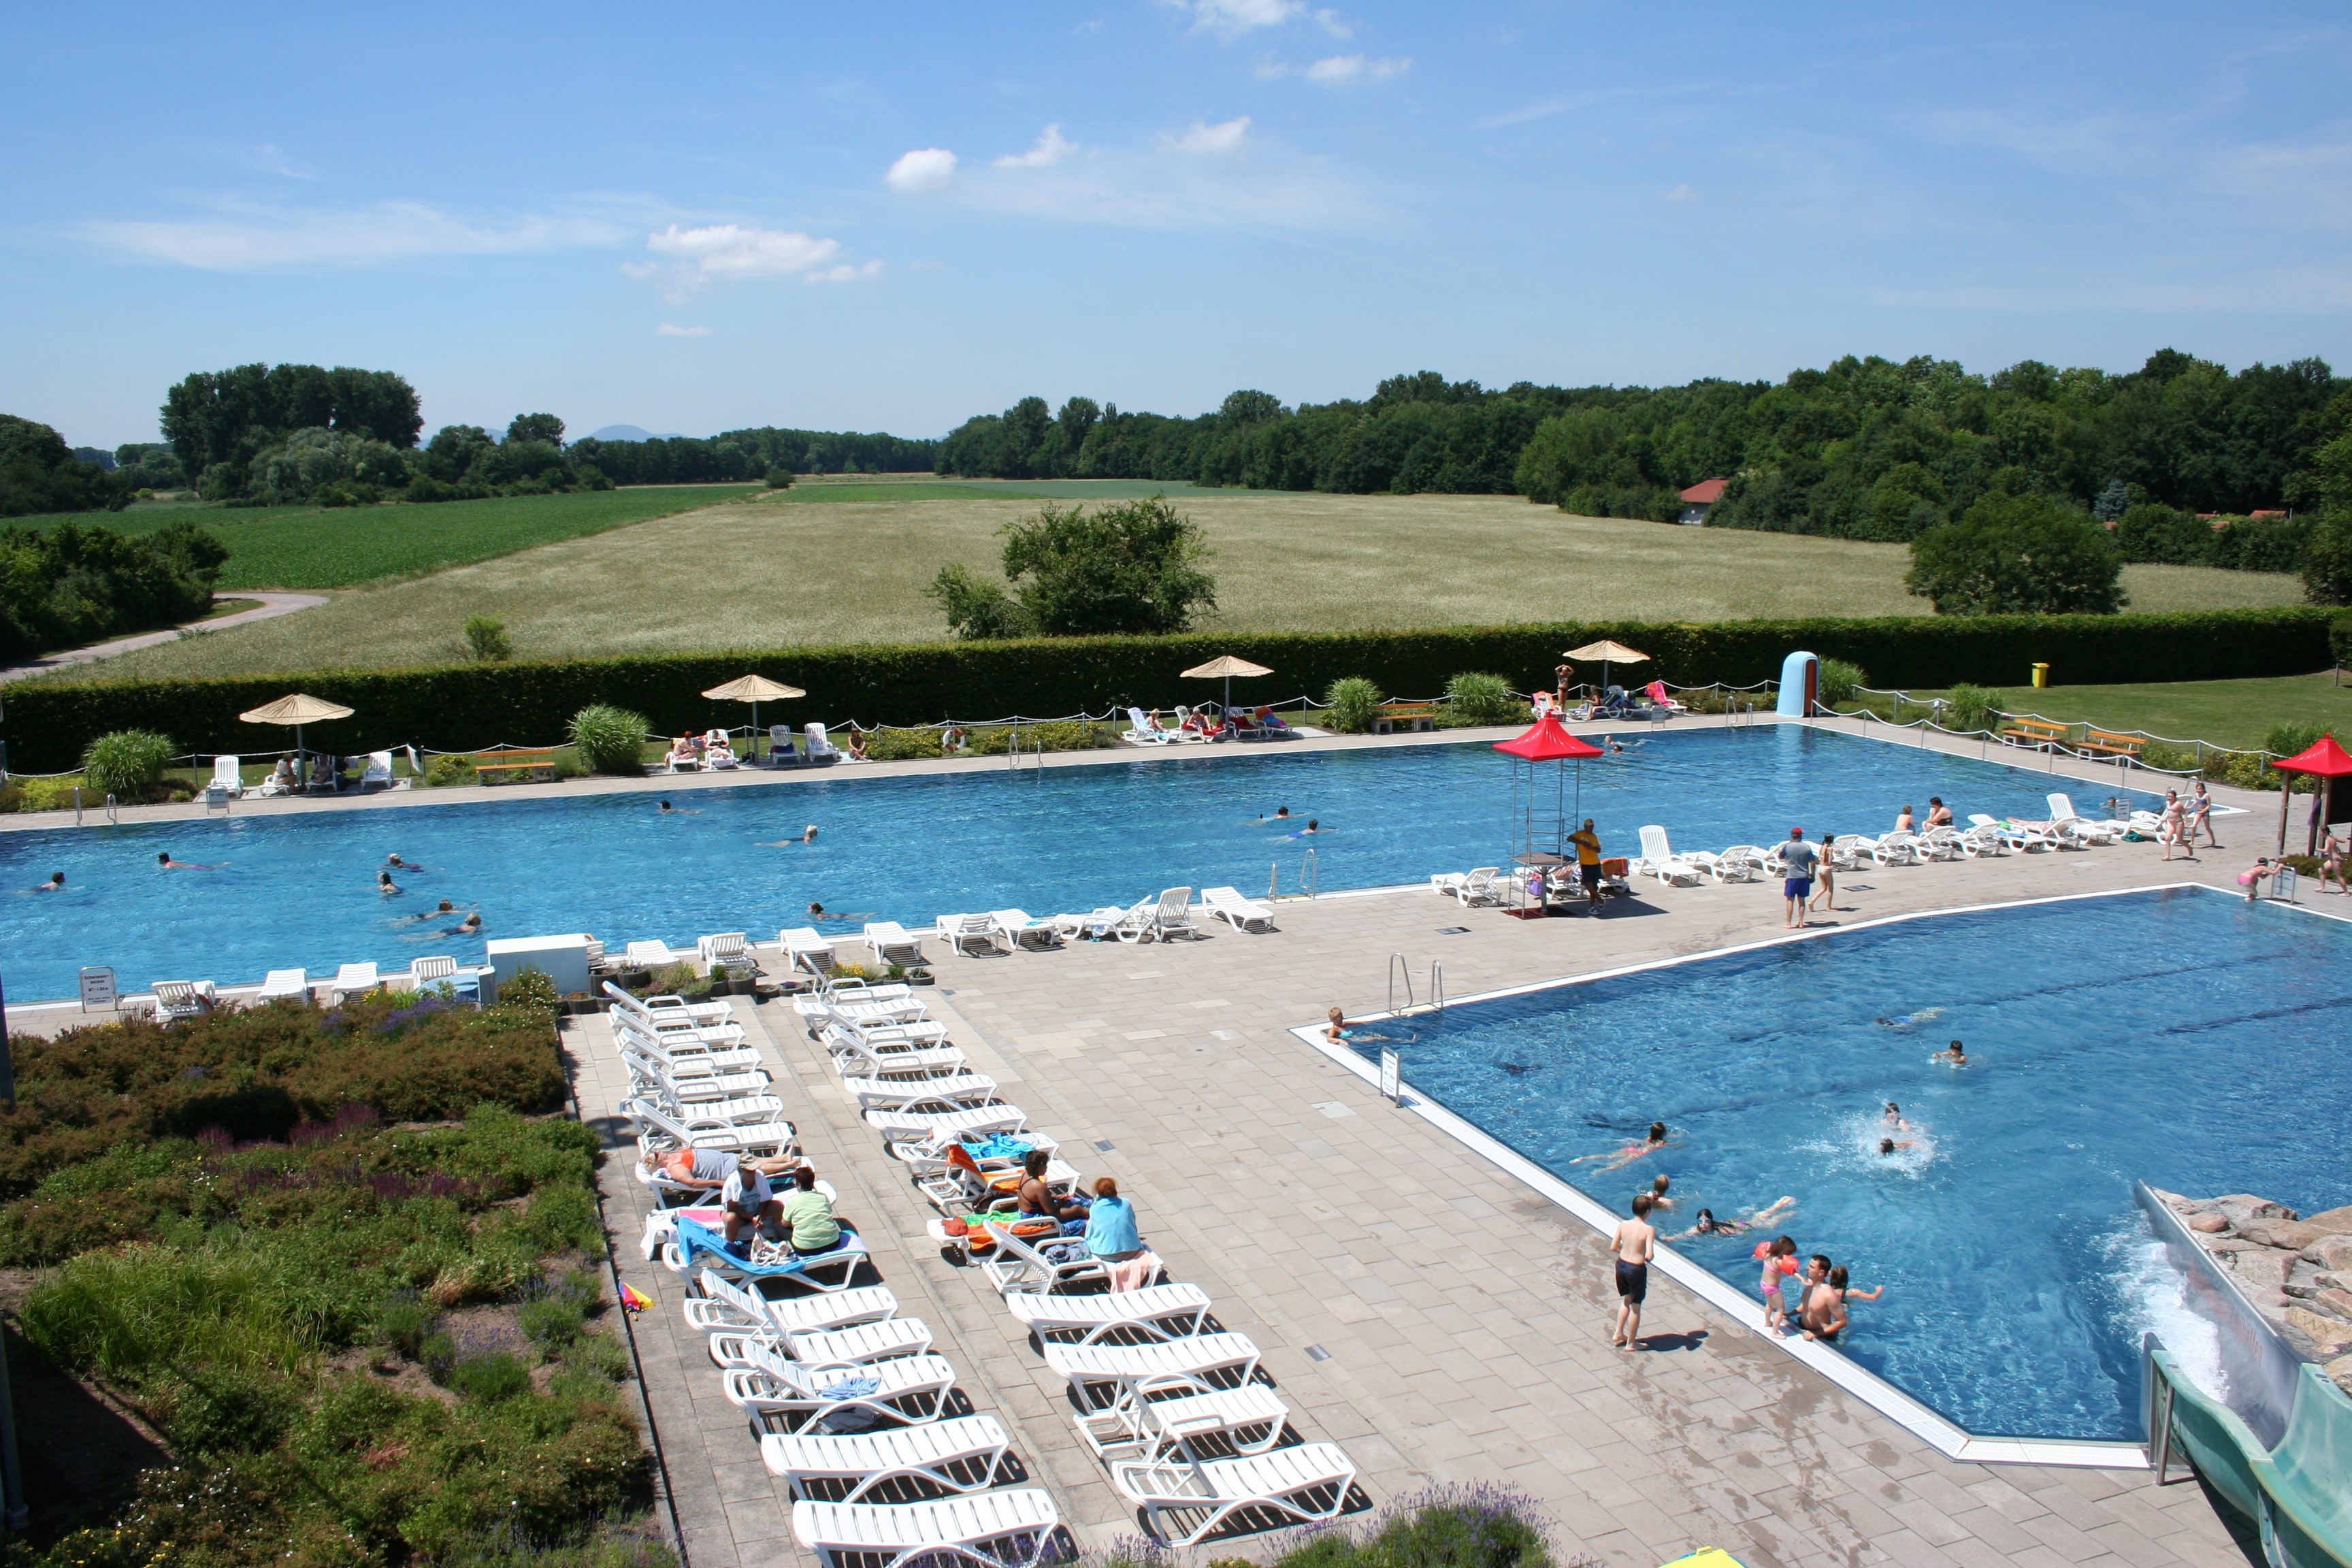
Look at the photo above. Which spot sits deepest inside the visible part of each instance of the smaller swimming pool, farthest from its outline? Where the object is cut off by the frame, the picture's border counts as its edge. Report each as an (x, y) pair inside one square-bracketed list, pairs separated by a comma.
[(2181, 1036)]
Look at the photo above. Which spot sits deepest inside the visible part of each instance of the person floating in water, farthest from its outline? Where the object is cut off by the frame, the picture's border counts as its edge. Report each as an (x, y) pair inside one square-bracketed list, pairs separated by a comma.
[(1337, 1028), (470, 926), (676, 811), (1617, 747), (446, 908), (1894, 1117), (1631, 1152), (1282, 814), (1312, 826), (55, 884), (1516, 1070), (1658, 1199), (1958, 1056), (1911, 1020), (397, 864), (1888, 1145), (384, 884), (1707, 1225), (808, 836), (167, 863)]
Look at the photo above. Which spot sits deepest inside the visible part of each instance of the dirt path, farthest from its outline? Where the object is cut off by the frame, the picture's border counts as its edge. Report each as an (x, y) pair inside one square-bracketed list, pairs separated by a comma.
[(271, 606)]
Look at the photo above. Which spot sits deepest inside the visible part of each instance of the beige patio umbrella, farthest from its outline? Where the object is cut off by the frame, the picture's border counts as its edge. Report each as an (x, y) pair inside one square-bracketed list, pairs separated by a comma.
[(297, 710), (1608, 653), (1226, 665), (754, 689)]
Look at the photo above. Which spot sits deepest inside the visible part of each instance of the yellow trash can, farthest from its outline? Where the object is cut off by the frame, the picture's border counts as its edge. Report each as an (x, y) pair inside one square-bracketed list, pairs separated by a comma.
[(2040, 675)]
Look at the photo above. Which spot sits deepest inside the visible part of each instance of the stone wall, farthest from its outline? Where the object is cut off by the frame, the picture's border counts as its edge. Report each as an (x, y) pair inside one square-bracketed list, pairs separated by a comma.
[(2297, 1272)]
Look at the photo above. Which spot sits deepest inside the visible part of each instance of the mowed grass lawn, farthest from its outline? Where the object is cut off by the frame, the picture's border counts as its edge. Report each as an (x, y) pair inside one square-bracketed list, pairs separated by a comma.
[(2222, 712), (309, 547), (778, 570)]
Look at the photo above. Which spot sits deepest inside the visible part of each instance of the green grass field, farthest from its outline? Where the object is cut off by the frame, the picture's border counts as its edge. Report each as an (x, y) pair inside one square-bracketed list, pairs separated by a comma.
[(308, 547), (771, 573), (922, 486), (2236, 713)]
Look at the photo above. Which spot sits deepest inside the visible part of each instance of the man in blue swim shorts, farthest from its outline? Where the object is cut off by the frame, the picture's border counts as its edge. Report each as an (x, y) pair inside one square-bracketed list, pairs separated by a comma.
[(1799, 857)]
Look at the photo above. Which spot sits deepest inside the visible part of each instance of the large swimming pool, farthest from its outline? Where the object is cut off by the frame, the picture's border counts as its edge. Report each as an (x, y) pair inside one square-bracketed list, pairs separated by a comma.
[(301, 890), (2181, 1037)]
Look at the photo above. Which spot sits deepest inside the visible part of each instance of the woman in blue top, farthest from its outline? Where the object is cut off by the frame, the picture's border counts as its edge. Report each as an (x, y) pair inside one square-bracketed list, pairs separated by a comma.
[(1115, 1243)]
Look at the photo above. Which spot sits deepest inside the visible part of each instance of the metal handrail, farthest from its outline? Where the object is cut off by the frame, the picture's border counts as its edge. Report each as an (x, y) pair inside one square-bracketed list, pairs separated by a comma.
[(1436, 984), (1310, 875), (1397, 964)]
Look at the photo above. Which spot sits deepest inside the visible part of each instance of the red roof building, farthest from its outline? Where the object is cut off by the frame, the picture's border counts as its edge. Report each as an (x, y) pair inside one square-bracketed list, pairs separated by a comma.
[(1700, 498)]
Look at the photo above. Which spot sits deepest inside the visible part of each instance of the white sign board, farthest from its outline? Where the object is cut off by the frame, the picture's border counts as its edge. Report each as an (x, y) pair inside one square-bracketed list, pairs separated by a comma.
[(1392, 1075), (98, 989)]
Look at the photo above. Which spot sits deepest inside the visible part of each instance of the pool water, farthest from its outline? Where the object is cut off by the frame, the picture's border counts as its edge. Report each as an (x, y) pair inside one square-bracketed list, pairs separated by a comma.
[(301, 890), (2181, 1037)]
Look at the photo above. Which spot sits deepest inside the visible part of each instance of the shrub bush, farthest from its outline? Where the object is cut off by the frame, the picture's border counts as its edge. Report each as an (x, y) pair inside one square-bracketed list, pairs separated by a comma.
[(2295, 735), (53, 794), (610, 740), (1841, 681), (1354, 703), (1970, 707), (1477, 698), (486, 639), (887, 745), (488, 1378), (780, 478), (451, 768), (129, 763)]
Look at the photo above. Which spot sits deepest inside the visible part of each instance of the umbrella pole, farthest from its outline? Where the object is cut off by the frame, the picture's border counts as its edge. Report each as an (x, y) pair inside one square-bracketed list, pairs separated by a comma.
[(2286, 799)]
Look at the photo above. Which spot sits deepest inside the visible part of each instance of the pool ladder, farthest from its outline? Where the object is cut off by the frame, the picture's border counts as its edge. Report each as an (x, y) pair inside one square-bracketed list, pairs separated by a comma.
[(1310, 877), (1400, 965)]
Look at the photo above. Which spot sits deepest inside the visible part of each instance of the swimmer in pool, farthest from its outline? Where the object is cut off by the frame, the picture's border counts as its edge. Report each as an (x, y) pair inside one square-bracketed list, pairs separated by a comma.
[(1958, 1056), (1888, 1145), (1337, 1028), (1516, 1070), (1631, 1152), (1709, 1226), (808, 836), (1282, 814), (447, 909), (1658, 1199), (1312, 826), (470, 926), (1617, 746), (384, 884), (55, 884), (167, 863), (1911, 1020), (674, 810)]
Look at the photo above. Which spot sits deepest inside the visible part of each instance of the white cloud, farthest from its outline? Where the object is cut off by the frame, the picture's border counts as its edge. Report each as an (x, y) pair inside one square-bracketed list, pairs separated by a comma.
[(270, 159), (241, 237), (740, 250), (1346, 70), (668, 331), (924, 169), (1231, 19), (1223, 137), (1050, 149), (846, 273), (1679, 194)]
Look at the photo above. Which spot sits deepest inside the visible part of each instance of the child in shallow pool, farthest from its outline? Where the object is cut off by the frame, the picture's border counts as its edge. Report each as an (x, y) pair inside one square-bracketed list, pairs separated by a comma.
[(1779, 1257)]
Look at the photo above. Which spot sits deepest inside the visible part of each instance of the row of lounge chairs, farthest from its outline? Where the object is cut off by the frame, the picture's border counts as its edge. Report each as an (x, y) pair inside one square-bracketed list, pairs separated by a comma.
[(1168, 1400), (1143, 729), (1162, 919), (177, 999)]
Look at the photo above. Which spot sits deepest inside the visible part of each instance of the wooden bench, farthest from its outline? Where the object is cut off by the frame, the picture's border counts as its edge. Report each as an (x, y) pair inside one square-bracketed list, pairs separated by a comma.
[(2108, 743), (1415, 715), (2035, 733), (514, 767)]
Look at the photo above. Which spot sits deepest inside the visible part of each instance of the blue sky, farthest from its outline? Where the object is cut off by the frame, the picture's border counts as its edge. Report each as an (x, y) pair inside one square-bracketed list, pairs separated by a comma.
[(890, 217)]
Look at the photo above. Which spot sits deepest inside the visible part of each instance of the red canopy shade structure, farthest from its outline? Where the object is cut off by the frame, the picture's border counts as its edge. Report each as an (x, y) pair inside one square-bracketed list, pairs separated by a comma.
[(1539, 838), (2322, 759)]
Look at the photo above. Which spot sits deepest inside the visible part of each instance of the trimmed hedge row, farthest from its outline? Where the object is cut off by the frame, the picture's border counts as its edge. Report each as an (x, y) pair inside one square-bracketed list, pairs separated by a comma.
[(468, 707)]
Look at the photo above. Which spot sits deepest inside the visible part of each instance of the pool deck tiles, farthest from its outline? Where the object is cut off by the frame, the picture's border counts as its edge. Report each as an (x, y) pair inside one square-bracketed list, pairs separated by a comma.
[(1465, 1315)]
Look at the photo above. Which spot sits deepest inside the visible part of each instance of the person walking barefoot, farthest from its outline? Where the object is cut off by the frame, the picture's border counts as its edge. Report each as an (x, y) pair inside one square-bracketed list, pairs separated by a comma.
[(1797, 887), (1635, 1243)]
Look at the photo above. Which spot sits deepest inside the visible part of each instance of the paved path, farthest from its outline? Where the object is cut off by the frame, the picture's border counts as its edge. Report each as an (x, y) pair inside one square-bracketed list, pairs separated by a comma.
[(271, 606), (1462, 1316)]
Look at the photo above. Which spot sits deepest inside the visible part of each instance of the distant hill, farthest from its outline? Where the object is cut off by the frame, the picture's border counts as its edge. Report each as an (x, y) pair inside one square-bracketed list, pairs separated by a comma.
[(628, 433)]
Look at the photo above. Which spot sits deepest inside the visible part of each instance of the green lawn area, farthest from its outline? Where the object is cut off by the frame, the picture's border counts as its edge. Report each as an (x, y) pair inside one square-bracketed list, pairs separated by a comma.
[(309, 547), (2236, 713), (914, 487)]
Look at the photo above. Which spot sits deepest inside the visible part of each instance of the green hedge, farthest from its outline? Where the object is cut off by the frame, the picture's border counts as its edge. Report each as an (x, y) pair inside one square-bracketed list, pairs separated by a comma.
[(468, 707)]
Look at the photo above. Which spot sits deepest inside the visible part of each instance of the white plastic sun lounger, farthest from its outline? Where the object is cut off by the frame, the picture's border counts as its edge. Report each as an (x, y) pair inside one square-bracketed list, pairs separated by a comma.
[(285, 985), (1140, 733), (646, 1074), (992, 1529), (672, 1012), (957, 1091), (927, 1155), (1307, 1484), (969, 1454), (653, 955), (1898, 848), (727, 1308), (1045, 1265), (804, 949), (954, 1190), (1243, 914), (2015, 835), (736, 1110), (965, 932), (913, 1390), (1472, 887), (1104, 1376), (727, 952), (890, 942), (861, 1055), (1741, 863), (886, 1338), (227, 775), (684, 1056), (1176, 1410), (658, 1126), (352, 978), (1658, 860), (1154, 1312), (1023, 930), (176, 999), (820, 748), (918, 1126), (2070, 823), (1173, 918)]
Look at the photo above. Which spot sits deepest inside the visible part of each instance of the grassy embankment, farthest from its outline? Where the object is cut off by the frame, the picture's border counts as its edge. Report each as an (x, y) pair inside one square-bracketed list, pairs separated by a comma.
[(345, 1342), (801, 568), (2237, 713)]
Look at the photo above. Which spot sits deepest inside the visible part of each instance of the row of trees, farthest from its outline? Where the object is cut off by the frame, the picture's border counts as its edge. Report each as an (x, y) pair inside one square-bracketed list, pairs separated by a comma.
[(67, 585), (1866, 449)]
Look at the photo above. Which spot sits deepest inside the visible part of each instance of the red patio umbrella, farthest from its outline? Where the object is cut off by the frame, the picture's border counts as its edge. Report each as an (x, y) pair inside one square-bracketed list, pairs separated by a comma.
[(1546, 741), (2322, 759)]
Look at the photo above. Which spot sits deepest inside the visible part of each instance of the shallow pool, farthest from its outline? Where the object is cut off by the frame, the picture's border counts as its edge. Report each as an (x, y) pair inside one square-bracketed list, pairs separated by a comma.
[(301, 890), (2181, 1037)]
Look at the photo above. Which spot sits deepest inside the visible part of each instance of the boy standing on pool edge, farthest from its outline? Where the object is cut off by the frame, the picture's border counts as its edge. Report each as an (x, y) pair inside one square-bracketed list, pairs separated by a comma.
[(1635, 1243)]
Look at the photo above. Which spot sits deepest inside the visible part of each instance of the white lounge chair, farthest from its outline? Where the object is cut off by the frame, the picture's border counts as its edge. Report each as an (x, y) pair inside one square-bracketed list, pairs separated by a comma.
[(2021, 837), (1307, 1484), (930, 1155), (913, 1390), (661, 1042), (1022, 930), (753, 1110), (285, 985), (861, 1056), (686, 1089), (781, 753), (667, 1013), (993, 1529), (1156, 1312), (1173, 917), (1742, 863), (1942, 842), (653, 955), (821, 748), (969, 1454), (852, 1344), (177, 999), (1474, 886), (1140, 733), (727, 952), (890, 944), (803, 949), (1228, 905), (965, 932), (958, 1187), (2072, 824), (228, 775), (352, 980), (681, 1054), (438, 969), (659, 1128), (1175, 1411), (921, 1127), (378, 772), (725, 1307), (1019, 1265), (1105, 1376), (1658, 860), (957, 1091), (1898, 848)]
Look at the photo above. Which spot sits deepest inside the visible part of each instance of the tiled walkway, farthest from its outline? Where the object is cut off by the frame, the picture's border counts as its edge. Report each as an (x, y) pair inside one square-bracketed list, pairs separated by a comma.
[(1462, 1318)]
